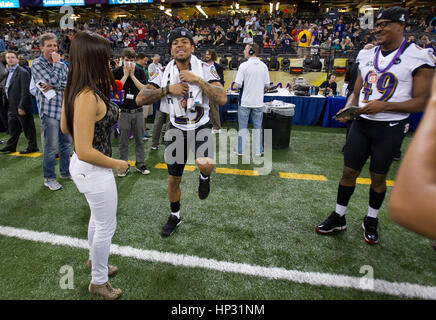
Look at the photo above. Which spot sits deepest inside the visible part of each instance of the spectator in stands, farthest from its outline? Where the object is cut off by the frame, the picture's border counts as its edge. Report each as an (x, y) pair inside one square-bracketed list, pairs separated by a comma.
[(50, 75), (422, 23), (159, 40), (23, 63), (2, 45), (347, 44), (326, 45), (411, 39), (295, 32), (424, 42), (269, 44), (219, 41), (197, 38), (304, 39), (209, 40), (314, 35), (287, 43), (339, 28), (63, 58), (141, 32), (336, 44), (231, 37), (141, 45), (248, 39)]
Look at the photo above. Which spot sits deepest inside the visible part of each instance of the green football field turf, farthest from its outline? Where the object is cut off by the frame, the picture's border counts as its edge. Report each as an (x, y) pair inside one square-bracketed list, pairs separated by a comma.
[(264, 221)]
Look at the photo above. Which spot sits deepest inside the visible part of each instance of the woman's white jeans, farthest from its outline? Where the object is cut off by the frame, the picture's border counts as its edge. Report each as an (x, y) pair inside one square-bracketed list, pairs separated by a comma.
[(99, 187)]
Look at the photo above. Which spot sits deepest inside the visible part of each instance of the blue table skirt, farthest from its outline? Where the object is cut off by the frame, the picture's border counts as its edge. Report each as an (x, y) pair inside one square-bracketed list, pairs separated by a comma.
[(307, 109), (334, 104)]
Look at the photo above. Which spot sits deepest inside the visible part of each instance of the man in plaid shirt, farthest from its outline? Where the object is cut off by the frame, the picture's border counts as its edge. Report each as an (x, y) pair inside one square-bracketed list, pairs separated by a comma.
[(50, 76)]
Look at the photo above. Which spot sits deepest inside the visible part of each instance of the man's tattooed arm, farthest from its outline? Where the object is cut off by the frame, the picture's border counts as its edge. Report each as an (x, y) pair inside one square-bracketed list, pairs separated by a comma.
[(215, 91), (150, 94)]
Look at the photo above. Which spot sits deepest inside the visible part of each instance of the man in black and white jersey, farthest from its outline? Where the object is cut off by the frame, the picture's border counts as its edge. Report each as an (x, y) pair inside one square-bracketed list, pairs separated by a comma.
[(184, 90), (393, 80)]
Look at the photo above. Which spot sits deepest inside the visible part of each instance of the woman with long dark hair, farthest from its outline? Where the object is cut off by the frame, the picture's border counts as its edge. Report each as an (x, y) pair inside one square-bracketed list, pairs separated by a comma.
[(89, 116)]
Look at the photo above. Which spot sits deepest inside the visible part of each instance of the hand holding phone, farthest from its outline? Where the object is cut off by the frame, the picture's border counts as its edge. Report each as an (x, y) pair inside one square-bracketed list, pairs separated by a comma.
[(346, 114)]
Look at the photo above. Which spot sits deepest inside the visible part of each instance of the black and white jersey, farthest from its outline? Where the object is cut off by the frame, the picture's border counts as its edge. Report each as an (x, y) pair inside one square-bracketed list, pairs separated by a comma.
[(396, 83), (193, 119)]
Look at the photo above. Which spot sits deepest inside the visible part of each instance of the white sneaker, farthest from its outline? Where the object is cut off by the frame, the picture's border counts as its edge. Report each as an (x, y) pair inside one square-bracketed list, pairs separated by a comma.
[(143, 170), (124, 173), (52, 184)]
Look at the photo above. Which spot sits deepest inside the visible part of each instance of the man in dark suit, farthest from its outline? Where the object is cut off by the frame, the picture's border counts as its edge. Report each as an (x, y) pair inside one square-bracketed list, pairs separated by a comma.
[(3, 111), (18, 100), (211, 57)]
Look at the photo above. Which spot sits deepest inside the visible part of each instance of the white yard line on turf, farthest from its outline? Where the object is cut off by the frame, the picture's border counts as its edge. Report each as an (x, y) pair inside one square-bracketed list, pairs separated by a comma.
[(313, 278)]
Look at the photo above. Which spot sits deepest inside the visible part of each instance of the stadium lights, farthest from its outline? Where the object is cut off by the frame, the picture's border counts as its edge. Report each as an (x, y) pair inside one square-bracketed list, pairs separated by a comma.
[(201, 10), (270, 8), (168, 12), (162, 7), (277, 6), (236, 6)]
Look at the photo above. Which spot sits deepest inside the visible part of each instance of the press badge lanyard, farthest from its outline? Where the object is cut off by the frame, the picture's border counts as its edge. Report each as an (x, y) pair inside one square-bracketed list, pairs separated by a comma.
[(397, 55)]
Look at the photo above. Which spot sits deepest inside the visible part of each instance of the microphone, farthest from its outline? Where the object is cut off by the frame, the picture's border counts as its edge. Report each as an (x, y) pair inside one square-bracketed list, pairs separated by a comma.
[(117, 96)]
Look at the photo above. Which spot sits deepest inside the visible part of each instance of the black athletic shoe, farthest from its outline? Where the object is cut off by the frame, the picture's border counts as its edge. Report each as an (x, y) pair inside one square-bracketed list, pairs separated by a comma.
[(203, 188), (370, 233), (332, 223), (171, 225)]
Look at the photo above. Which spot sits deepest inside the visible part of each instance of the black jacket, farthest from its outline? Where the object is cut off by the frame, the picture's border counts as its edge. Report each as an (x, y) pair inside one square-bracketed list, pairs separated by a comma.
[(220, 71), (326, 85), (19, 96)]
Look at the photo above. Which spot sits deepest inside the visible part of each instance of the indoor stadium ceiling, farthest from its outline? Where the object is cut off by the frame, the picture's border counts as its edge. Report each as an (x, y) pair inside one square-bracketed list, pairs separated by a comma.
[(188, 8)]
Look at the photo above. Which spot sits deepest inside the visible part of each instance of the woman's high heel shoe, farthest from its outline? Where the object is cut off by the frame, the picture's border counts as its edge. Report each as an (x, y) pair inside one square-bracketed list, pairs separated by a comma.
[(111, 270), (105, 290)]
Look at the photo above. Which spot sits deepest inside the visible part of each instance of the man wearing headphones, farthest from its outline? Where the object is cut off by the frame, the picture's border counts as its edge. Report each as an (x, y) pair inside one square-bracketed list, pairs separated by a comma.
[(252, 78), (329, 86)]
